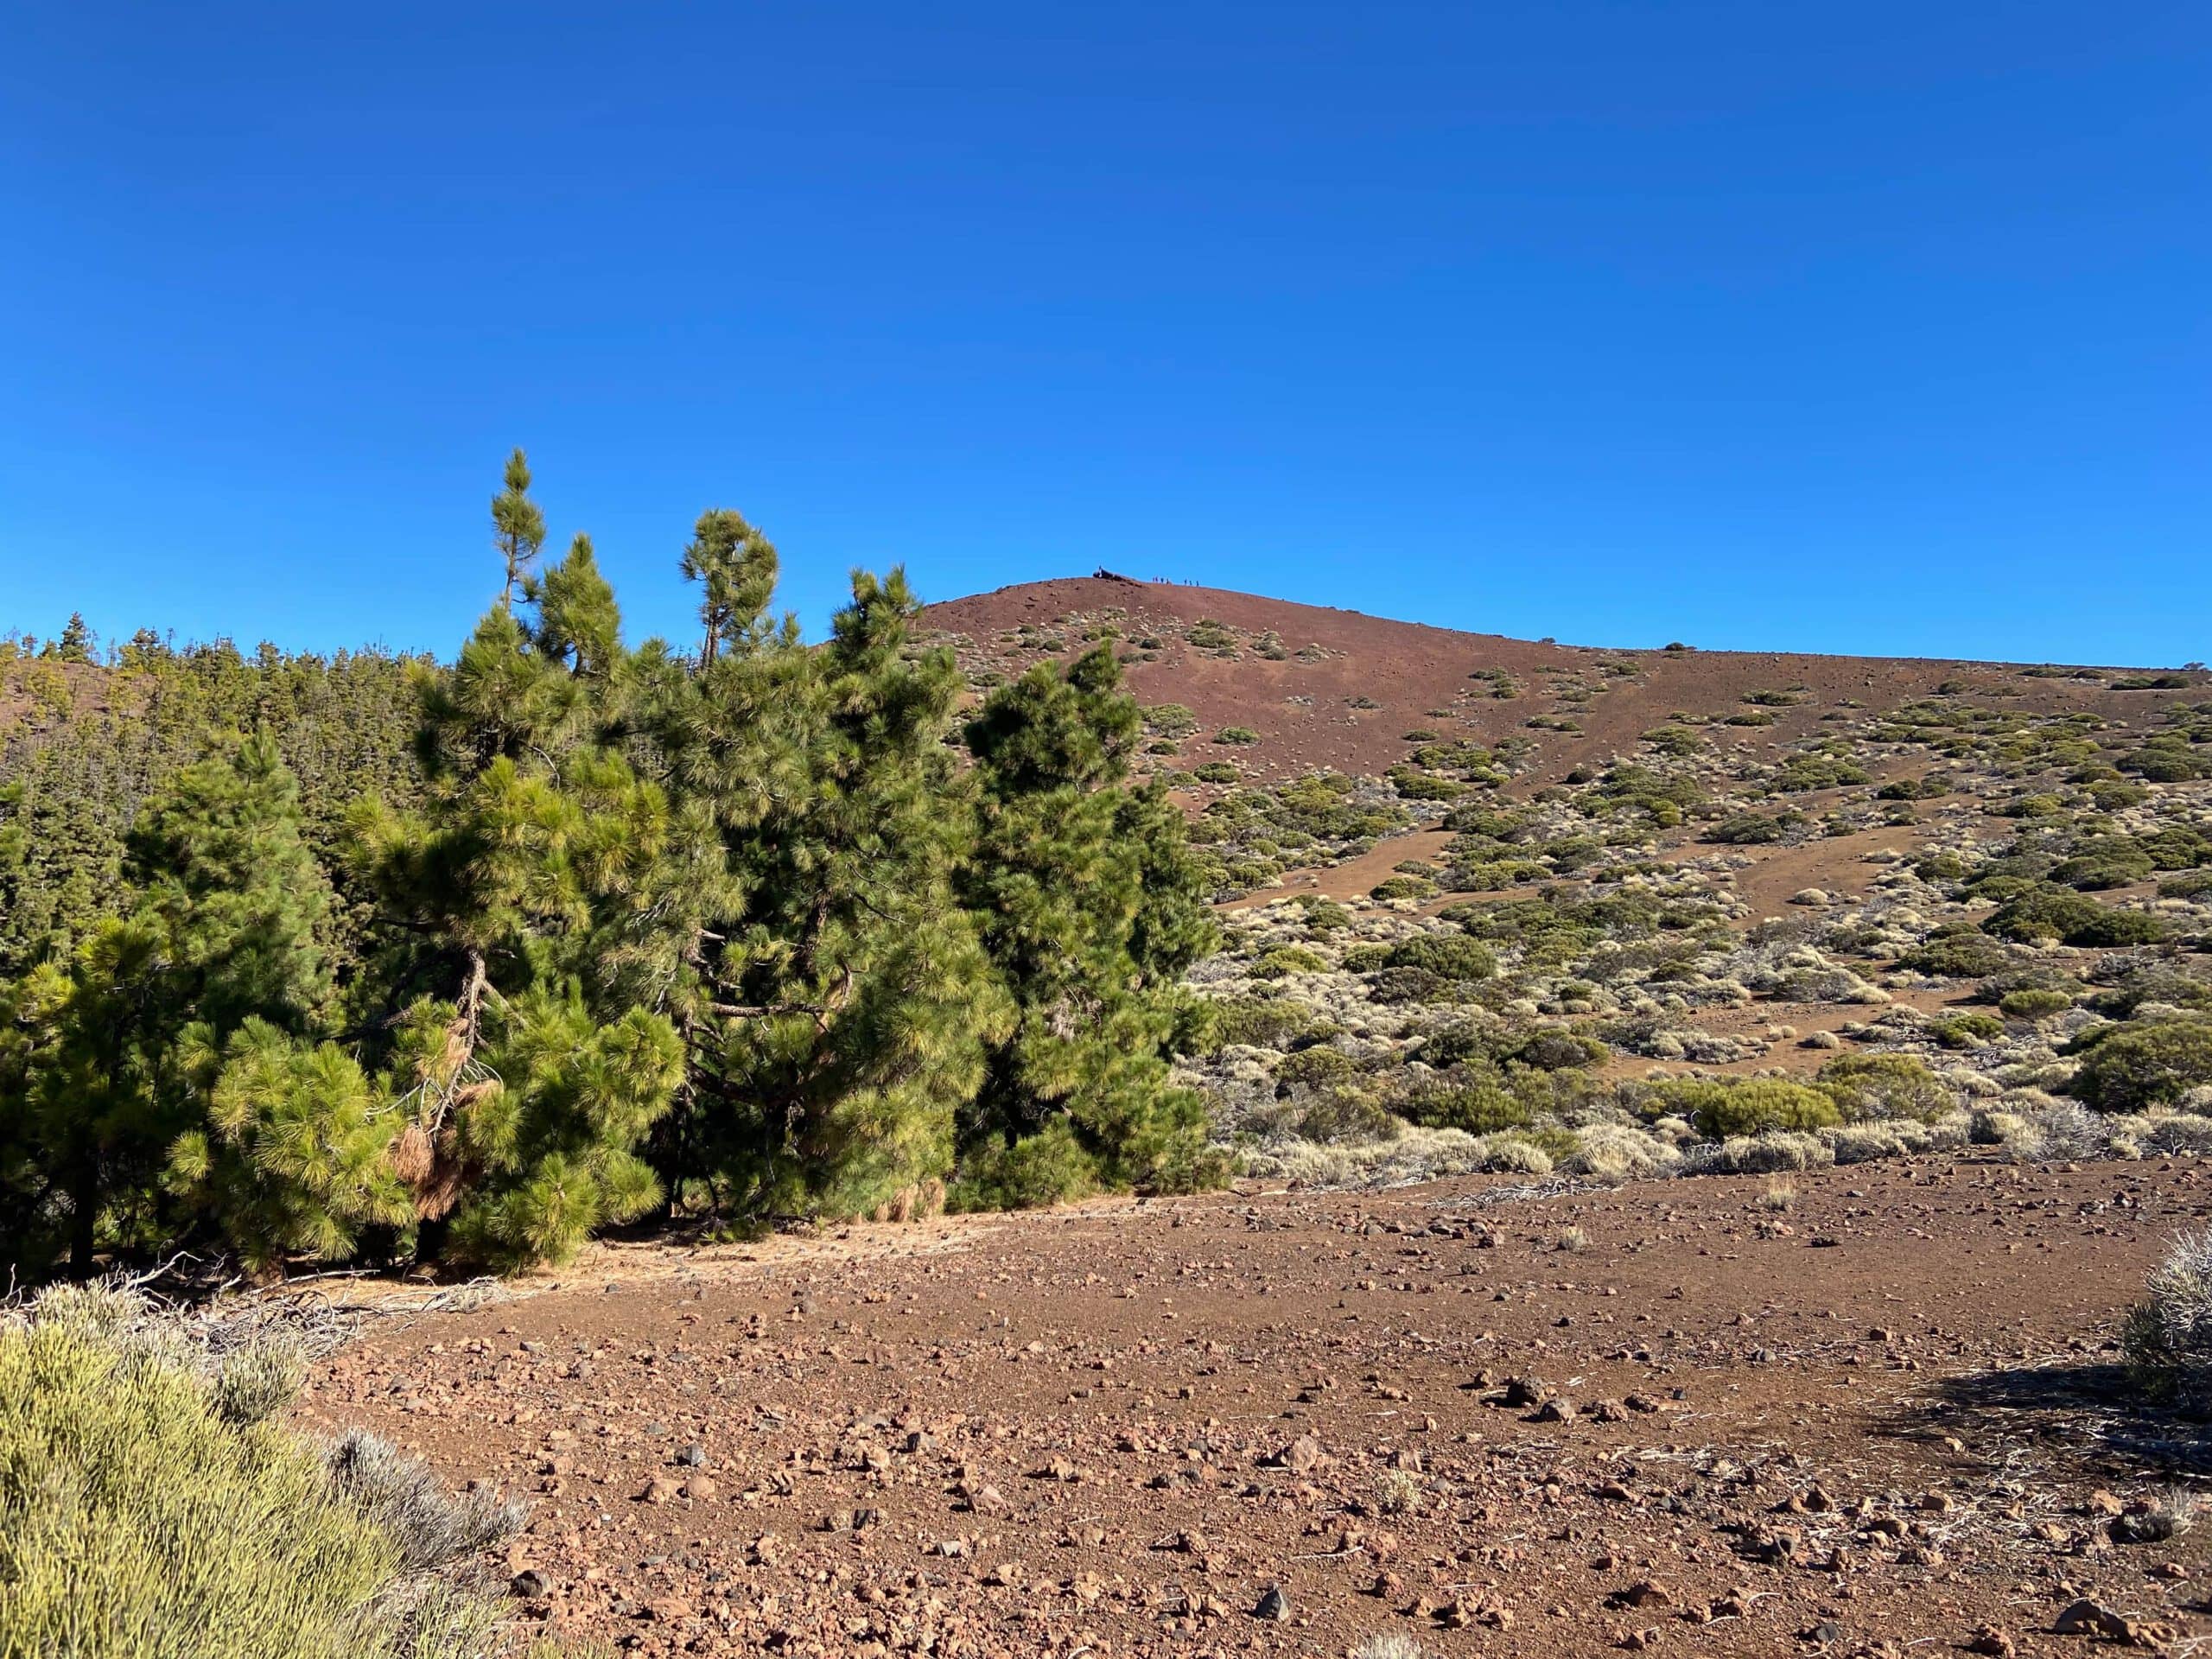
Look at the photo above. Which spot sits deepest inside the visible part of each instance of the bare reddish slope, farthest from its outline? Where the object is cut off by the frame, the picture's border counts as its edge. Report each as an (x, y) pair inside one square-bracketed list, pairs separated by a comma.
[(1312, 711)]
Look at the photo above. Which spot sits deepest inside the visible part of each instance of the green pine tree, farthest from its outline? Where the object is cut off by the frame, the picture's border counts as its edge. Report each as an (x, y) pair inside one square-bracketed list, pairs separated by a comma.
[(517, 526), (527, 1075), (100, 1083), (1091, 906), (836, 1003)]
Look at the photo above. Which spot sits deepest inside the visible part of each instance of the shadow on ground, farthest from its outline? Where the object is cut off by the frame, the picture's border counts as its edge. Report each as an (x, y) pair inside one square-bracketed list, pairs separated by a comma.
[(2092, 1415)]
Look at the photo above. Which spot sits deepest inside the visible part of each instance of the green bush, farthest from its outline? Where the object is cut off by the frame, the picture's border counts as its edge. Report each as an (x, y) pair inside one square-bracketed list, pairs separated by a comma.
[(2115, 928), (1395, 986), (1675, 740), (1363, 958), (1417, 786), (2033, 1004), (1237, 734), (1558, 1051), (1800, 773), (1343, 1114), (1217, 771), (1260, 1021), (1403, 887), (1314, 1068), (2105, 868), (1957, 956), (1967, 1030), (1323, 916), (2139, 1066), (1491, 875), (2057, 914), (1051, 1166), (1286, 960), (1883, 1086), (137, 1518), (2165, 760), (1746, 1106), (1448, 956), (1746, 829), (1170, 719)]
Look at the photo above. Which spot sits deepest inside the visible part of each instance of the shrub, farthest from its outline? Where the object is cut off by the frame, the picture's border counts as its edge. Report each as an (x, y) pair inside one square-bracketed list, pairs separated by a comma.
[(1803, 772), (1343, 1117), (1883, 1086), (1746, 829), (1217, 771), (2033, 1004), (1559, 1051), (1313, 1067), (1448, 956), (1207, 634), (2137, 1067), (1417, 786), (1170, 719), (1260, 1021), (2165, 760), (2045, 914), (1288, 959), (1403, 887), (2049, 913), (2111, 928), (1751, 1106), (2154, 983), (1490, 875), (2105, 867), (1944, 866), (1237, 734), (1324, 915), (1363, 958), (136, 1517), (2168, 1336), (1480, 1107), (1958, 956), (1674, 739), (1051, 1166), (1967, 1030), (1392, 986)]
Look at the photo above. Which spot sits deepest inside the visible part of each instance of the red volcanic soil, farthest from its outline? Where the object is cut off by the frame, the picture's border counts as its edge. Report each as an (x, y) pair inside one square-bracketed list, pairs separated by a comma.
[(1309, 714), (1872, 1412)]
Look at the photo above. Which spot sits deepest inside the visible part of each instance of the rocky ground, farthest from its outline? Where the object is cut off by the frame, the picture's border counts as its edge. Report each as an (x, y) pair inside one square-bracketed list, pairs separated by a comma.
[(1863, 1410), (1866, 1401)]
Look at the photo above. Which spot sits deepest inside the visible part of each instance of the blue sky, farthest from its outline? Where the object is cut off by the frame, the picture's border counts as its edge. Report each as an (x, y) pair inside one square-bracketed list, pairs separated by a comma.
[(1859, 327)]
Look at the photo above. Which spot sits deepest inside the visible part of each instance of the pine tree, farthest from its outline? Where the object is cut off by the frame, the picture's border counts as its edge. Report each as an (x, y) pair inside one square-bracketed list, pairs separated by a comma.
[(517, 526), (527, 1075), (221, 932), (1089, 906), (224, 871), (294, 1156), (735, 567), (75, 644), (838, 1002)]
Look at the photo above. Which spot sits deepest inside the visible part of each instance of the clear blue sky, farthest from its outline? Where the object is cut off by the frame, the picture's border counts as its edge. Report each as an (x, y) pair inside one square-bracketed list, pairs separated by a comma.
[(1861, 326)]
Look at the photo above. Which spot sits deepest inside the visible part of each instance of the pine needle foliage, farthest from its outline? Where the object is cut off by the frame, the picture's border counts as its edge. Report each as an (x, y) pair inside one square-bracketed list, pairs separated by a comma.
[(759, 928)]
